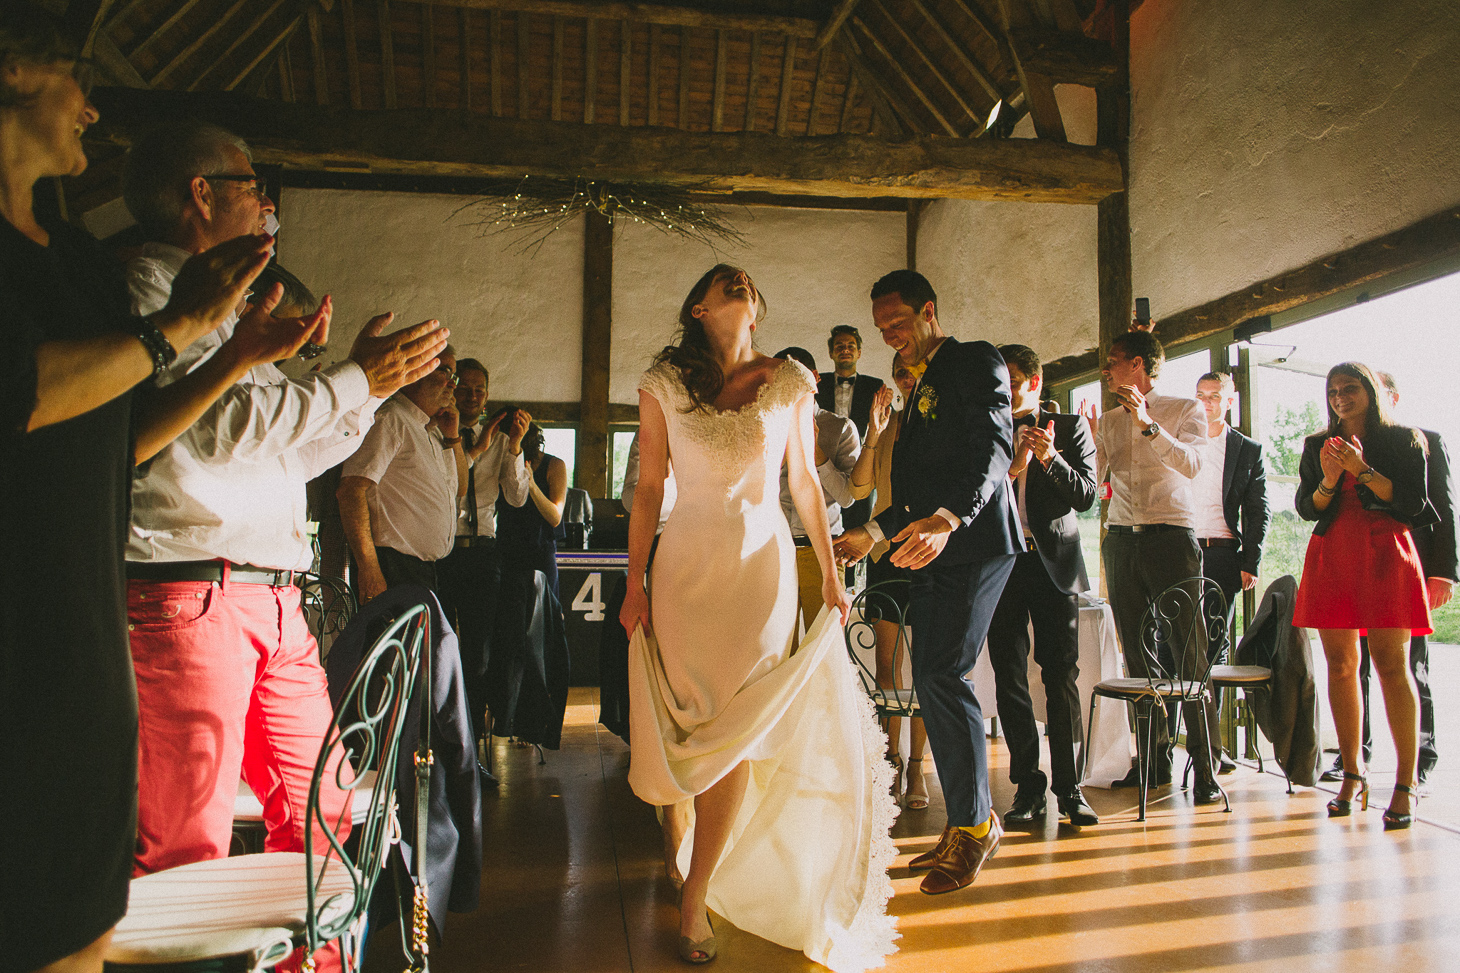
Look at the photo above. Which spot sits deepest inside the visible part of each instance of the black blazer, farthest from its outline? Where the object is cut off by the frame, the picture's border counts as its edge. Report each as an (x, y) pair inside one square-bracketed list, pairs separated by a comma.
[(1438, 551), (1400, 457), (1244, 492), (954, 451), (1053, 496), (862, 393)]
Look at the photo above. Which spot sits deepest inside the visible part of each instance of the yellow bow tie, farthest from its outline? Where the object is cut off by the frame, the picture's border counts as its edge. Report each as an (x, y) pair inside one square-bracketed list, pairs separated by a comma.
[(917, 370)]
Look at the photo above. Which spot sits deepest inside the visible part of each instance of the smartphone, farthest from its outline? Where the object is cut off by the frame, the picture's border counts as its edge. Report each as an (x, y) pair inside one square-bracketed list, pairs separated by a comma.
[(1143, 310)]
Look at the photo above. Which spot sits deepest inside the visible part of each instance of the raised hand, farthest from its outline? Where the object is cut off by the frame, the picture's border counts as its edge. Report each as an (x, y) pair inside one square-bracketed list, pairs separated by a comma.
[(260, 338), (393, 361), (518, 428), (1091, 414), (881, 413), (1040, 442), (211, 285), (1330, 461), (1132, 401)]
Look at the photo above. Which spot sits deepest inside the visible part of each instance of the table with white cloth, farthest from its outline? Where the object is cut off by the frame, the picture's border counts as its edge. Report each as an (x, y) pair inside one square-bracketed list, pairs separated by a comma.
[(1110, 746)]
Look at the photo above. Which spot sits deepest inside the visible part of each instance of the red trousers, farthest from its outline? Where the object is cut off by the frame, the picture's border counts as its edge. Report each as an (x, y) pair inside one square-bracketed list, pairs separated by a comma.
[(228, 683)]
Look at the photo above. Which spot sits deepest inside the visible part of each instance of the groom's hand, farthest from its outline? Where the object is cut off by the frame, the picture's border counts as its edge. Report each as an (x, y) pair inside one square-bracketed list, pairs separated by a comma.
[(925, 539), (852, 546)]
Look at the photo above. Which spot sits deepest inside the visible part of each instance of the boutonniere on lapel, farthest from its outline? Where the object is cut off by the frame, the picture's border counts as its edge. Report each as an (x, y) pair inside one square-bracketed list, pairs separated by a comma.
[(928, 403)]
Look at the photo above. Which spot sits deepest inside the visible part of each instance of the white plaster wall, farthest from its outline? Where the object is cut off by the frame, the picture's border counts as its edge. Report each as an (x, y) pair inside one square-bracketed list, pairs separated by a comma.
[(1018, 272), (1267, 134), (815, 268), (522, 315)]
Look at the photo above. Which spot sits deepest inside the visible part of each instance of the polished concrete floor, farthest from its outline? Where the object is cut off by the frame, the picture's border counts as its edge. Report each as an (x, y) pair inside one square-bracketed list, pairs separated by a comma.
[(573, 881)]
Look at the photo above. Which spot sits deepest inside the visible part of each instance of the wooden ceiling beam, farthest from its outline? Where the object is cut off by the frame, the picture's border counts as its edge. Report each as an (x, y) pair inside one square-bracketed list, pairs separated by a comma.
[(494, 67), (888, 109), (316, 57), (238, 40), (788, 73), (907, 79), (447, 142), (833, 23), (1067, 58), (463, 56), (682, 119), (590, 71), (849, 102), (752, 92), (648, 13), (960, 51), (428, 55), (112, 61), (655, 30), (387, 53), (816, 87), (268, 49), (559, 28), (187, 52), (625, 71), (153, 35), (717, 110), (352, 54), (922, 52), (524, 91)]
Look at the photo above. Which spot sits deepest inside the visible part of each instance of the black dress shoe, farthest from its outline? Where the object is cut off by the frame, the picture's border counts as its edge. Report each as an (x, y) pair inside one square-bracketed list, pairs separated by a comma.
[(1333, 774), (1226, 765), (1074, 807), (489, 779), (1026, 807), (1207, 792)]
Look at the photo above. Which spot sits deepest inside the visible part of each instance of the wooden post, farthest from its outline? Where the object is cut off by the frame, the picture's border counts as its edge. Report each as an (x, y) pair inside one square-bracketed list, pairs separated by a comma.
[(591, 470)]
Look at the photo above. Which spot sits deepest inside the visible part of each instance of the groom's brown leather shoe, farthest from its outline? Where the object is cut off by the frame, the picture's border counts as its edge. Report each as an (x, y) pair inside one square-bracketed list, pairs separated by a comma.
[(930, 858), (963, 858)]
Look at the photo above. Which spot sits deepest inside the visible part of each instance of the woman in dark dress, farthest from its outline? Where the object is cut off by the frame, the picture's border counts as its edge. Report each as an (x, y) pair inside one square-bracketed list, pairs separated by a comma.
[(527, 535), (68, 438), (1363, 481)]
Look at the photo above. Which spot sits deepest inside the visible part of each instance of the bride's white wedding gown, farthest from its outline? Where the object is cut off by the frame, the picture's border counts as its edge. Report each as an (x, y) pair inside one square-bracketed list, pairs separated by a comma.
[(719, 683)]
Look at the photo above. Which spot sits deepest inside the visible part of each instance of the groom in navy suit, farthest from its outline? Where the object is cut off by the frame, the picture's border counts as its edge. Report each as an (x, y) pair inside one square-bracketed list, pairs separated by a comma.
[(953, 523)]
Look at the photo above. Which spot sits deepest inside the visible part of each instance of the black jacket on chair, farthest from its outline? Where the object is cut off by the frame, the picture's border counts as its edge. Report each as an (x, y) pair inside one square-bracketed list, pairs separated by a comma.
[(1438, 551), (1288, 713), (1053, 496), (1244, 493), (954, 452), (863, 392), (454, 833)]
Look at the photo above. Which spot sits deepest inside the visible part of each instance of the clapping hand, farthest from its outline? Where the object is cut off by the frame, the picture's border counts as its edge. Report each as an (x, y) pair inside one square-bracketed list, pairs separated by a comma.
[(1091, 414), (393, 361), (1346, 454), (260, 338), (211, 285), (881, 413), (517, 429)]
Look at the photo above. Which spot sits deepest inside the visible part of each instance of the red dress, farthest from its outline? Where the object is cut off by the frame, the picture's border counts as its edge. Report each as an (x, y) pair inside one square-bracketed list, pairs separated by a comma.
[(1363, 573)]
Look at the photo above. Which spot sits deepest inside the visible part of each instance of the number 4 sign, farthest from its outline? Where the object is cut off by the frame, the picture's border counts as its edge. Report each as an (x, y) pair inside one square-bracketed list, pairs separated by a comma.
[(590, 598)]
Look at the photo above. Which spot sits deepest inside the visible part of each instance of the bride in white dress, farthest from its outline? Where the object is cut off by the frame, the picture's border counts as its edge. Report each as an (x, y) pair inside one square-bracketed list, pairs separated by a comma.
[(775, 743)]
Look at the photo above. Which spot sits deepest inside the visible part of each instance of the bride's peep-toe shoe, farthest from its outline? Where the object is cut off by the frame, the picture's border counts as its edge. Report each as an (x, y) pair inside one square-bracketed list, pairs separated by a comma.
[(1393, 820), (917, 794), (897, 775), (1340, 807), (707, 948)]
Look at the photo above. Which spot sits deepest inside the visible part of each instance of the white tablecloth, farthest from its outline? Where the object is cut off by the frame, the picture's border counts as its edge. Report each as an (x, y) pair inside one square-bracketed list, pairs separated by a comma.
[(1110, 746)]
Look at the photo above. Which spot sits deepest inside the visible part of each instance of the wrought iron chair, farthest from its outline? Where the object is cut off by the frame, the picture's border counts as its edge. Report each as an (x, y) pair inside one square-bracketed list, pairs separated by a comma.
[(252, 911), (1179, 623), (872, 605), (328, 604)]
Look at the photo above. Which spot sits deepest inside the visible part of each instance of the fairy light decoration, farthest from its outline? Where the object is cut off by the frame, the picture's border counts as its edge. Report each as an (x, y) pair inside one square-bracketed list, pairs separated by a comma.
[(538, 208)]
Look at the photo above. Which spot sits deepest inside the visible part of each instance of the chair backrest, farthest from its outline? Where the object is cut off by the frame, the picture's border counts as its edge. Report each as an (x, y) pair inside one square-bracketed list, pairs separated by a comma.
[(880, 603), (328, 605), (364, 736), (1180, 626)]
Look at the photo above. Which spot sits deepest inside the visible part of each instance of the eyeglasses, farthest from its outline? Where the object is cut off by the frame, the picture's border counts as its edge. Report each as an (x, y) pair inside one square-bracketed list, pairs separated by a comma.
[(255, 190), (452, 378)]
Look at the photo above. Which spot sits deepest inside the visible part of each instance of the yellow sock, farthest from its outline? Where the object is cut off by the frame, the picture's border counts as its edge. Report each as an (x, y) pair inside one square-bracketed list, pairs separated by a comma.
[(979, 830)]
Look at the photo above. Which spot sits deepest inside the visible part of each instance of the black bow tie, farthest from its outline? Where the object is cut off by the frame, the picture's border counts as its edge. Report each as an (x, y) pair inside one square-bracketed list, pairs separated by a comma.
[(1028, 420), (840, 380)]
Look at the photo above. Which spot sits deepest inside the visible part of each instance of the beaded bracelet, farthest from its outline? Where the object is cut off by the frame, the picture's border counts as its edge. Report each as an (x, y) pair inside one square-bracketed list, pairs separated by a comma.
[(156, 343), (1326, 491)]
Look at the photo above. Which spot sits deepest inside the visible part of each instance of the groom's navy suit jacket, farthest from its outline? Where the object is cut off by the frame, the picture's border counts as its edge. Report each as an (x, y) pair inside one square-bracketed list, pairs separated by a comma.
[(954, 452)]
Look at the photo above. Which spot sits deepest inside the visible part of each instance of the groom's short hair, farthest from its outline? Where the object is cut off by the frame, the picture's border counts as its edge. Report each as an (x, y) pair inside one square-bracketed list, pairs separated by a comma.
[(911, 286), (801, 355)]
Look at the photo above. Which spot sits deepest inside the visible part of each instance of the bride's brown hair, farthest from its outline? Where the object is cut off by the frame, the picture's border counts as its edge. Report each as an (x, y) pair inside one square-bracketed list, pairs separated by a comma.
[(690, 354)]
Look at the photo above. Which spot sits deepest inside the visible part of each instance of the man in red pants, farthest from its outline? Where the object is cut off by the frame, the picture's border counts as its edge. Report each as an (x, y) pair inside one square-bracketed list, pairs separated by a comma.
[(229, 680)]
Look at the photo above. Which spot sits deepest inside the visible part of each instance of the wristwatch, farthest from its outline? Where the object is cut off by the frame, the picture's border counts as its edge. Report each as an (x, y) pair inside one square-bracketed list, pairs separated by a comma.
[(1151, 430), (1365, 476)]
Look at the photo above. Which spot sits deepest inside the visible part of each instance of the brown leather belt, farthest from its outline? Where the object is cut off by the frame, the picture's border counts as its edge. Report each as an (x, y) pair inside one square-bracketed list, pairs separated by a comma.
[(1143, 528), (1219, 542), (211, 571), (467, 540)]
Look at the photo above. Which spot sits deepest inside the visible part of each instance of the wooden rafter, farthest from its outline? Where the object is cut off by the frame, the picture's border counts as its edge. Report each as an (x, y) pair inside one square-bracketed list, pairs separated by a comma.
[(524, 42), (788, 72), (559, 29), (648, 13), (922, 52), (238, 41), (463, 56), (684, 60), (181, 56), (849, 102), (112, 61), (494, 42), (907, 79), (816, 87), (316, 57), (428, 55), (352, 54), (156, 33), (652, 81), (445, 142), (960, 51), (833, 23), (625, 71), (387, 53), (590, 71), (887, 109), (286, 74), (268, 49), (84, 18), (752, 92), (717, 103)]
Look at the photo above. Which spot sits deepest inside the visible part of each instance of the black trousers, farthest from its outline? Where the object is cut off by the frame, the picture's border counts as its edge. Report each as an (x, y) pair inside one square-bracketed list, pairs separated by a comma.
[(398, 568), (1224, 566), (950, 608), (1419, 664), (1138, 567), (1029, 596), (471, 581)]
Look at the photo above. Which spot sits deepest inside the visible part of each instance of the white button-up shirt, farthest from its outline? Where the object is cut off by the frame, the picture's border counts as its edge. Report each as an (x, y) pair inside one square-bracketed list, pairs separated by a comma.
[(413, 505), (1206, 488), (232, 485), (844, 395), (495, 471), (838, 439), (1150, 476)]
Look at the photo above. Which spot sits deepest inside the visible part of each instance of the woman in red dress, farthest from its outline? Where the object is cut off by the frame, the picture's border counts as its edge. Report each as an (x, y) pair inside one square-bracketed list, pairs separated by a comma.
[(1363, 481)]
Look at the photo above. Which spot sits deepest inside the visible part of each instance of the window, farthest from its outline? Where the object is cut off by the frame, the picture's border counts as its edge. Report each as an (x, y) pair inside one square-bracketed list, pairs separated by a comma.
[(619, 442), (1179, 375), (562, 442)]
